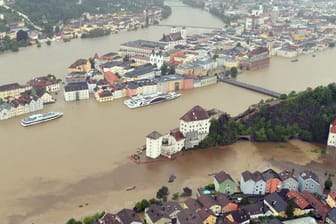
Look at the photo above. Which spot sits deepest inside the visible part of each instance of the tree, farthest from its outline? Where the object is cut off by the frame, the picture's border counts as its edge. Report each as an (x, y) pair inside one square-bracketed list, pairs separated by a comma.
[(1, 101), (142, 205), (244, 201), (21, 36), (290, 209), (176, 196), (164, 69), (73, 221), (215, 56), (234, 72), (162, 192), (328, 183)]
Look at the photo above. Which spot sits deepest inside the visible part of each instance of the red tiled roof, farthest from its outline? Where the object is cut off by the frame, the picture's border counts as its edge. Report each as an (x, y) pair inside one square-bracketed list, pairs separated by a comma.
[(320, 208), (333, 127), (195, 114), (177, 134), (298, 199)]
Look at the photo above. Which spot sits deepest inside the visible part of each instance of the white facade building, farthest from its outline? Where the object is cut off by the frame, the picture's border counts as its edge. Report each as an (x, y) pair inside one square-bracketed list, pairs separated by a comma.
[(252, 183), (76, 91), (153, 144), (195, 125), (332, 134)]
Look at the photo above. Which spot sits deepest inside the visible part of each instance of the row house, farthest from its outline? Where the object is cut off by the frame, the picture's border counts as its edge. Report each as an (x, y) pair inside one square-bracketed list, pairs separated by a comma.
[(276, 203), (331, 199), (197, 68), (224, 183), (302, 205), (76, 91), (320, 208), (111, 77), (75, 77), (252, 183), (141, 47), (116, 67), (288, 180), (308, 181), (273, 182), (169, 83), (146, 71), (255, 59), (103, 95), (48, 83), (81, 65), (21, 105), (128, 216), (140, 60), (205, 81), (166, 213), (13, 89)]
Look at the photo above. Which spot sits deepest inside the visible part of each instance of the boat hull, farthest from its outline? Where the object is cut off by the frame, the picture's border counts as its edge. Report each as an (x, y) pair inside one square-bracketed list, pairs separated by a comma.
[(142, 101), (26, 124)]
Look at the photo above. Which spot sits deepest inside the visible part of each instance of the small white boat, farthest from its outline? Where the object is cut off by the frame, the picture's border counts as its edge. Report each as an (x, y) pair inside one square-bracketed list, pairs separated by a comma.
[(40, 118), (130, 188)]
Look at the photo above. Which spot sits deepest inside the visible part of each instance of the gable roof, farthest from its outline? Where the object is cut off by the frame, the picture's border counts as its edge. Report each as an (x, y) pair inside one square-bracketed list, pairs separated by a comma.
[(276, 201), (155, 213), (206, 201), (256, 176), (308, 174), (192, 204), (320, 208), (298, 199), (270, 174), (332, 215), (127, 216), (286, 174), (195, 114), (171, 207), (240, 216), (222, 176), (204, 213), (188, 216)]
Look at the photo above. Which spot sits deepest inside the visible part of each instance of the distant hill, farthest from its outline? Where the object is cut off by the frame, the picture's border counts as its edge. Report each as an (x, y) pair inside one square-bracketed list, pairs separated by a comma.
[(305, 115), (51, 11)]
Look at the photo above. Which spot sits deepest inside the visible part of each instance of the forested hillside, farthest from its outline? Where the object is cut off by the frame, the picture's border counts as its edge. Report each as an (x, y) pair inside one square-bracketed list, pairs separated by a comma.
[(52, 11), (306, 115)]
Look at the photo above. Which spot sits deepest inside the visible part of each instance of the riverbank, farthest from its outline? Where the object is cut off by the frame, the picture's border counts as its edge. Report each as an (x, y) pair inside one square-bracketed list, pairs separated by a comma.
[(106, 191)]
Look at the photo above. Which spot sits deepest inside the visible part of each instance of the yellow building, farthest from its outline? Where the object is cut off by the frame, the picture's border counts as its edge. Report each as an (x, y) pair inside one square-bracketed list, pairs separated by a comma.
[(81, 65), (331, 200)]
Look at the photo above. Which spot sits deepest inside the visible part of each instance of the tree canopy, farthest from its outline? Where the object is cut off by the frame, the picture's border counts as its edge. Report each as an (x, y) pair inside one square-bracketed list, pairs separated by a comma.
[(306, 115)]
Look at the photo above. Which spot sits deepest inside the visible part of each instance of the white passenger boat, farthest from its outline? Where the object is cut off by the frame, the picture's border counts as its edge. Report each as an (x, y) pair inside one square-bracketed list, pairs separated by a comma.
[(141, 100), (39, 118)]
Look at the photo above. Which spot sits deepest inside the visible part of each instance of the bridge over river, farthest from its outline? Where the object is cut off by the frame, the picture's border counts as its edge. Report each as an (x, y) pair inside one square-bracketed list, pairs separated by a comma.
[(191, 26), (252, 87)]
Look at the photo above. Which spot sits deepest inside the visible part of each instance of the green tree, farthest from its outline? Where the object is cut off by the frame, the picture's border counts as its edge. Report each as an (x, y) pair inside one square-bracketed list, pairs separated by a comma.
[(290, 209), (328, 184), (176, 196), (162, 192), (234, 72), (215, 56), (164, 69), (73, 221), (1, 101)]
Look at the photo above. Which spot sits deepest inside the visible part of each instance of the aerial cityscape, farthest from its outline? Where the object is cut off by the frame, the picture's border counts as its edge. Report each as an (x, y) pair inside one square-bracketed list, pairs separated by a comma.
[(167, 111)]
